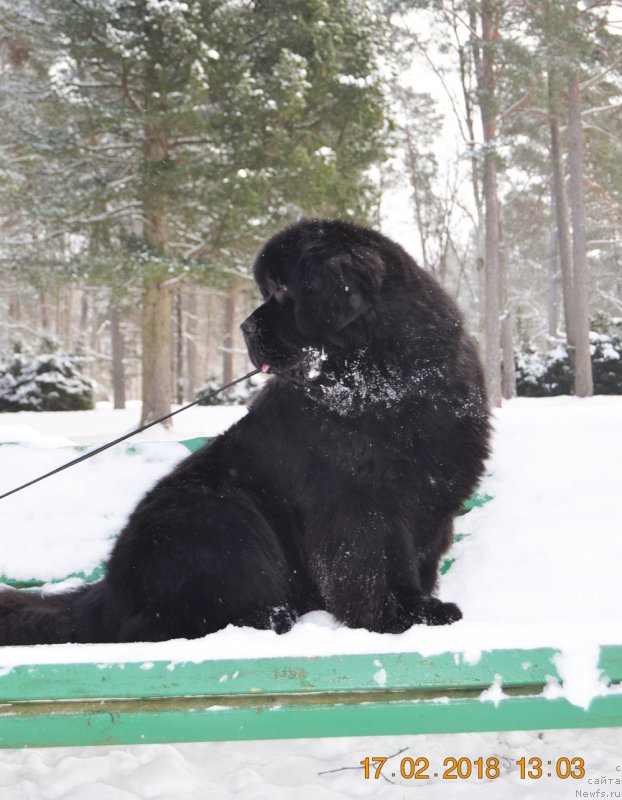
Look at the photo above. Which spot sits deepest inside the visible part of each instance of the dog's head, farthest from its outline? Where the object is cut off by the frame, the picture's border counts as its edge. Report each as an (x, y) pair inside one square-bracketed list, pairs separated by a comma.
[(319, 280)]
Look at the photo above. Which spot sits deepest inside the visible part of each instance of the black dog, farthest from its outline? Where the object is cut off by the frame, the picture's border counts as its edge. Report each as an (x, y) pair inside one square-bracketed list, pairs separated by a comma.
[(336, 491)]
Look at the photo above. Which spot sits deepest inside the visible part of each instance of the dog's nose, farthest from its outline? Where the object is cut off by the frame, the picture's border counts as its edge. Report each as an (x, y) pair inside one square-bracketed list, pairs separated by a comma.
[(248, 326)]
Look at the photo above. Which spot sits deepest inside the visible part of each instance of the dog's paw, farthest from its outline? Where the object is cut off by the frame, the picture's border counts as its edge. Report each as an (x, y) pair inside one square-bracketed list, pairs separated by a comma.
[(421, 610), (282, 619), (432, 611)]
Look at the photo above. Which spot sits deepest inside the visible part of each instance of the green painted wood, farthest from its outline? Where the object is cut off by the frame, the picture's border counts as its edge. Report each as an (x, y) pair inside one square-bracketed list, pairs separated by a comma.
[(477, 500), (446, 565), (36, 583), (610, 661), (280, 675), (296, 675), (196, 443), (192, 444), (43, 705), (276, 718)]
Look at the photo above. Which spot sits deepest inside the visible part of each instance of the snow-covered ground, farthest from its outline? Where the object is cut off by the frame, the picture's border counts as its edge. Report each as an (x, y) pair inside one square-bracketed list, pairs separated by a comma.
[(540, 566)]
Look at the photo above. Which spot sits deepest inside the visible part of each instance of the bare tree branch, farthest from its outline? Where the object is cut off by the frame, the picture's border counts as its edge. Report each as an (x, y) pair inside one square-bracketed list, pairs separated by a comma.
[(606, 133), (598, 109), (591, 81), (519, 104)]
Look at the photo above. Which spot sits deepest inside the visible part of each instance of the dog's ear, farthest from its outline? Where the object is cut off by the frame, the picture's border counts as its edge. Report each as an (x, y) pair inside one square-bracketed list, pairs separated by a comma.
[(337, 290)]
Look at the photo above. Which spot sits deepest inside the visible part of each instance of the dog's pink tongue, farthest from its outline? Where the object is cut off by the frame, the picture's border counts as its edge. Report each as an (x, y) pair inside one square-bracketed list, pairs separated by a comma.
[(265, 367)]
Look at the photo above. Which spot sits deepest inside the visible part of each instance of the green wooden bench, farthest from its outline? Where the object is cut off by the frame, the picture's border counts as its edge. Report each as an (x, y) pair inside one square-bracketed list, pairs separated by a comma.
[(278, 698), (259, 698)]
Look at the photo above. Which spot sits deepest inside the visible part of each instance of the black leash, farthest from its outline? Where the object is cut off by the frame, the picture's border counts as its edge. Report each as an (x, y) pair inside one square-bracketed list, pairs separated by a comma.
[(132, 433)]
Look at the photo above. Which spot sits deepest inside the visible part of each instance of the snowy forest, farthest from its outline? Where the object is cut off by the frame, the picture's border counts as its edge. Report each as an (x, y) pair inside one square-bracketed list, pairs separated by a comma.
[(148, 147)]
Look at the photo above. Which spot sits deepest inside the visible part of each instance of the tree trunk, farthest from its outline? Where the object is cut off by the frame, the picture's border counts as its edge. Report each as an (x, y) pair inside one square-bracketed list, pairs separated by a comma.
[(15, 317), (63, 317), (583, 383), (191, 344), (480, 266), (414, 180), (487, 89), (228, 334), (156, 360), (157, 390), (508, 377), (479, 238), (84, 312), (561, 209), (45, 311), (552, 305), (118, 354), (492, 326), (180, 382)]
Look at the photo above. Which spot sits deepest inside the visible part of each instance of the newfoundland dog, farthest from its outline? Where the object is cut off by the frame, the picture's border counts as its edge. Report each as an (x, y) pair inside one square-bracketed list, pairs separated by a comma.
[(336, 491)]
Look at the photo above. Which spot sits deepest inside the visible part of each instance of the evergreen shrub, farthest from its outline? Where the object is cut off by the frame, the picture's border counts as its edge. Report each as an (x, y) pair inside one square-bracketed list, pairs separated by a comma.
[(550, 373), (50, 381)]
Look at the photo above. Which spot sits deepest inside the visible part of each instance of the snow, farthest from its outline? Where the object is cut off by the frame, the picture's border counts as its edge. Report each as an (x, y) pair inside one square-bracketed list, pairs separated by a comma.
[(539, 566), (576, 666), (86, 427), (360, 83), (494, 693), (306, 769), (326, 153)]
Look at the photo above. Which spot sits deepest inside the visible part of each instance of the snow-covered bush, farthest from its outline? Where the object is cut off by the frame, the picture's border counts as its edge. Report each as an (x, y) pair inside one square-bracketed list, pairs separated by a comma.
[(606, 350), (240, 394), (543, 374), (550, 373), (529, 365), (47, 382)]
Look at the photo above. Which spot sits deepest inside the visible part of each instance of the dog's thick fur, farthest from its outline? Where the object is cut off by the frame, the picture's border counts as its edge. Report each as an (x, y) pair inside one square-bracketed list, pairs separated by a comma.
[(336, 491)]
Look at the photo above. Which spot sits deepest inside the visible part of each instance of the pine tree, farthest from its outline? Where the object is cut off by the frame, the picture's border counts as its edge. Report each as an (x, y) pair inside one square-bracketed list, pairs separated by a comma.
[(581, 60), (163, 139), (536, 48)]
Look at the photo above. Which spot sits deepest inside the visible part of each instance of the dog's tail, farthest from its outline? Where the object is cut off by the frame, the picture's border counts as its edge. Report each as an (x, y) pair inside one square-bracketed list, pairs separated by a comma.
[(76, 616)]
